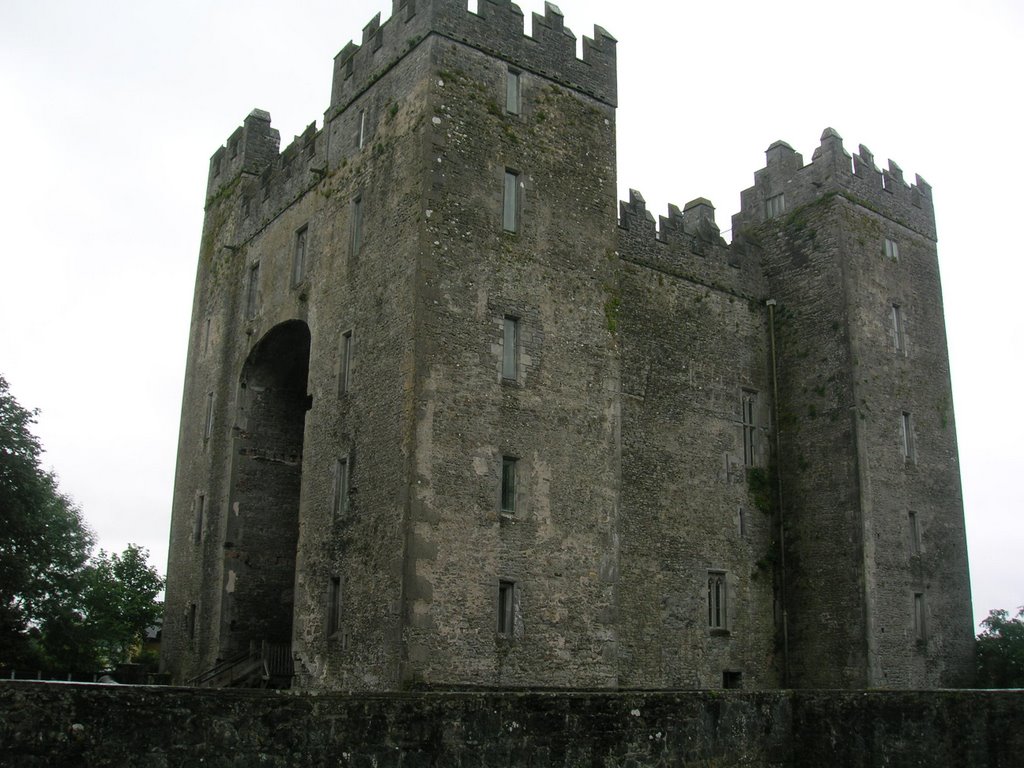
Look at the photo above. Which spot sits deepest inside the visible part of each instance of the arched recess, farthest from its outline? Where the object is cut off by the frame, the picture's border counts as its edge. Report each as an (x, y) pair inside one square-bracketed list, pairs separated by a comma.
[(263, 523)]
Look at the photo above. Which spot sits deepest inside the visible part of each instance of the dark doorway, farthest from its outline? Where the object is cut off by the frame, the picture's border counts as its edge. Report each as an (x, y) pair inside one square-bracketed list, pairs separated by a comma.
[(263, 519)]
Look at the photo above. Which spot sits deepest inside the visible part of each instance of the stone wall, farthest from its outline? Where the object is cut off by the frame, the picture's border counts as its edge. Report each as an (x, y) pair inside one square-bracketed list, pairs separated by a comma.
[(67, 726)]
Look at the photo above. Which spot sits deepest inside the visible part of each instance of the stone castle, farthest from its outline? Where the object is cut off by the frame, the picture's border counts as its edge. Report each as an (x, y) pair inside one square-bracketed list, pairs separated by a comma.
[(453, 416)]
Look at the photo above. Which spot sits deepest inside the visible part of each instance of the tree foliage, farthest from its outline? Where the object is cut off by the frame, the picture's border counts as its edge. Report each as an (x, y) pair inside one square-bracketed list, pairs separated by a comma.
[(1001, 650), (120, 602), (60, 609), (44, 544)]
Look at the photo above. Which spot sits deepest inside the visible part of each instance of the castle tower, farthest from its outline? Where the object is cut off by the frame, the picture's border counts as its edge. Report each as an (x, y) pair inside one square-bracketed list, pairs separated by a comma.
[(398, 456), (877, 586)]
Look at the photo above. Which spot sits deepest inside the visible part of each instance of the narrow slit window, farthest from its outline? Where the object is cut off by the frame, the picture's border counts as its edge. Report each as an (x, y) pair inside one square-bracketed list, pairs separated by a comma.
[(915, 533), (510, 343), (907, 435), (339, 503), (511, 206), (899, 342), (299, 257), (506, 608), (345, 363), (200, 520), (192, 621), (334, 606), (252, 291), (716, 600), (512, 92), (208, 421), (920, 630), (357, 224), (508, 485), (748, 417), (361, 129)]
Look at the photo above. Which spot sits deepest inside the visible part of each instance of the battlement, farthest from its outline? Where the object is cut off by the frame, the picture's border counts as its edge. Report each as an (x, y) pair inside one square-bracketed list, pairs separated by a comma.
[(271, 179), (785, 184), (251, 148), (686, 243), (497, 29)]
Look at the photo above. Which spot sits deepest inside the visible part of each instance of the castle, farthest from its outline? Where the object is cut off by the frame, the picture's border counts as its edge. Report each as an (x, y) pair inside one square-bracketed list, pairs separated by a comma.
[(454, 416)]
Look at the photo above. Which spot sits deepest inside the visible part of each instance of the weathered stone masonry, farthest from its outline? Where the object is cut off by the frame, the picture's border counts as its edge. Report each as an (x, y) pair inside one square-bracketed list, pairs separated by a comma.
[(65, 726), (368, 477)]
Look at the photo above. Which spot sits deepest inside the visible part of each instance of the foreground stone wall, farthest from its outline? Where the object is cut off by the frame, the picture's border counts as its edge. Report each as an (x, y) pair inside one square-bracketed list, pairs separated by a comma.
[(88, 725)]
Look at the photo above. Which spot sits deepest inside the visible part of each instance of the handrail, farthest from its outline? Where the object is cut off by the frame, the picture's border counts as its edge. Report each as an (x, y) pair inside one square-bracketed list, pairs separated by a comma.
[(220, 668), (273, 661)]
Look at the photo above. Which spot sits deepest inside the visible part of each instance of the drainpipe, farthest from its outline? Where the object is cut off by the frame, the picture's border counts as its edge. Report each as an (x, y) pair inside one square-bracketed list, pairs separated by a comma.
[(778, 491)]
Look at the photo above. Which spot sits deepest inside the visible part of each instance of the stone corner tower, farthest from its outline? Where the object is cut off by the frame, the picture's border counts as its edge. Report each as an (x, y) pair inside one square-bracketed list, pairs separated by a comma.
[(399, 433), (878, 589)]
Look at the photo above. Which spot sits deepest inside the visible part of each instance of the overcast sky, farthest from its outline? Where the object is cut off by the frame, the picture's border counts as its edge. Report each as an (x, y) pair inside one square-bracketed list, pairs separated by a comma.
[(110, 110)]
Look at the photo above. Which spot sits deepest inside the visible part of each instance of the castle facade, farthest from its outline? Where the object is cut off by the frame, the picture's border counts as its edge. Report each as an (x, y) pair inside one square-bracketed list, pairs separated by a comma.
[(454, 416)]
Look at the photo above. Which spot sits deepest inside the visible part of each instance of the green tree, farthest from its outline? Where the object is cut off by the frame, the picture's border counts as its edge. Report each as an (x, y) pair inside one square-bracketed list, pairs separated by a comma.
[(60, 609), (44, 544), (1000, 650), (120, 602)]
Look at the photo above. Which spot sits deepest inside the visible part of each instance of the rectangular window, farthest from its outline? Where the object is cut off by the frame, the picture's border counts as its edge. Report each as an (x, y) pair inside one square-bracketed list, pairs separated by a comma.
[(361, 131), (192, 622), (775, 206), (915, 533), (508, 485), (892, 249), (897, 328), (716, 600), (907, 436), (299, 257), (510, 216), (252, 291), (334, 606), (506, 608), (357, 224), (208, 423), (920, 630), (512, 92), (748, 418), (345, 363), (200, 520), (339, 503), (510, 343)]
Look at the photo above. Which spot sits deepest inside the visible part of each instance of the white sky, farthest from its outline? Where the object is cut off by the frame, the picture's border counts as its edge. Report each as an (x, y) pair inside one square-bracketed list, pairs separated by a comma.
[(110, 110)]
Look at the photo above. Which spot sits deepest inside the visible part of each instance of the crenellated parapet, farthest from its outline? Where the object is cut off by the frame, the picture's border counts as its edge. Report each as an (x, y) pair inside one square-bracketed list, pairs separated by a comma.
[(785, 184), (266, 181), (250, 149), (496, 29), (686, 243)]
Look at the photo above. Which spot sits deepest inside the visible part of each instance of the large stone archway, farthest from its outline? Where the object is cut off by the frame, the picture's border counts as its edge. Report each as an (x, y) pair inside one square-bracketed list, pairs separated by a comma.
[(263, 520)]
